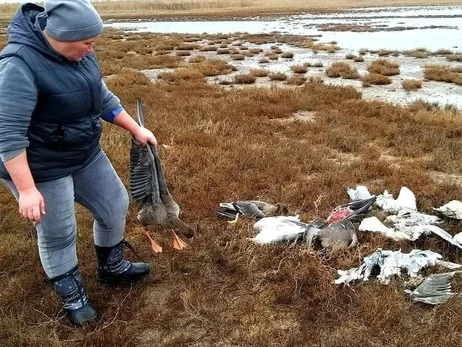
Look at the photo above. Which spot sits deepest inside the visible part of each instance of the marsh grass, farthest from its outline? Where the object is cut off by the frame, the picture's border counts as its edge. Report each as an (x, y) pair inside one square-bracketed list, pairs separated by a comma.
[(296, 80), (341, 69), (375, 79), (411, 85), (277, 76), (383, 67), (300, 68), (443, 73), (287, 55), (248, 78), (220, 144), (259, 72)]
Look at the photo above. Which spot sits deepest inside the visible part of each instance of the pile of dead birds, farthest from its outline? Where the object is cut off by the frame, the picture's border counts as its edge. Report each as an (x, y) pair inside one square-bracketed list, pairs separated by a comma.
[(338, 231)]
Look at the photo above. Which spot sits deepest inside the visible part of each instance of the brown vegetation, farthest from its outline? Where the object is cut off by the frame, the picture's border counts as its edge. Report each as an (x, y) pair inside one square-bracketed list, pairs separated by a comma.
[(341, 69), (248, 78), (411, 85), (277, 76), (219, 144), (375, 78), (443, 73), (259, 72), (301, 68), (383, 67)]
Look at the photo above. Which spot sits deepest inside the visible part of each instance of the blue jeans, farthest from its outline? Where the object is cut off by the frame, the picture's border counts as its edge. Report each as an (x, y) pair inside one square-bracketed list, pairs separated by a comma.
[(98, 188)]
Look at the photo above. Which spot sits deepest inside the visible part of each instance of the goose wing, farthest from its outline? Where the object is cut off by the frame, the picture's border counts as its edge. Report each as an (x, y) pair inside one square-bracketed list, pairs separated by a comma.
[(243, 207), (144, 181), (435, 289), (339, 234)]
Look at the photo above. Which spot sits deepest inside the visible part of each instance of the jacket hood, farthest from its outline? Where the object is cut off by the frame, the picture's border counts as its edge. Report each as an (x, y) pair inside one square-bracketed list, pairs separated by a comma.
[(23, 30)]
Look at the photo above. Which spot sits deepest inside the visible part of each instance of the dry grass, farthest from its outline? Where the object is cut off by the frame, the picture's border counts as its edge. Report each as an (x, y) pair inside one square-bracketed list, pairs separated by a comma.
[(301, 68), (225, 144), (341, 69), (384, 67), (443, 73), (296, 80), (248, 78), (376, 79), (259, 72), (411, 85), (277, 76)]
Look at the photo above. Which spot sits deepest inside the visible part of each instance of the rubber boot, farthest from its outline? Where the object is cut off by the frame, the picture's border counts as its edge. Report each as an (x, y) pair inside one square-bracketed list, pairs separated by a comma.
[(76, 304), (114, 269)]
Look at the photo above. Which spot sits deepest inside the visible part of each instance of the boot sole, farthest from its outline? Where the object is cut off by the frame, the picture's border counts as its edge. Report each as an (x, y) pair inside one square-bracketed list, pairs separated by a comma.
[(115, 281)]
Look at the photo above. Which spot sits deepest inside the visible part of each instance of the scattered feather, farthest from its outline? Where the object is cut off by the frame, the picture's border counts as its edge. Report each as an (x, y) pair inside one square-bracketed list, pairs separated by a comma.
[(405, 201), (453, 209), (390, 263), (358, 193)]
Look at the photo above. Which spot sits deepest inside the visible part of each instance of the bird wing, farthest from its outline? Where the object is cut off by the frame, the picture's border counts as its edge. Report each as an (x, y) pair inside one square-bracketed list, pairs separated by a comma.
[(144, 183), (443, 234), (338, 234), (248, 208), (361, 206), (435, 289)]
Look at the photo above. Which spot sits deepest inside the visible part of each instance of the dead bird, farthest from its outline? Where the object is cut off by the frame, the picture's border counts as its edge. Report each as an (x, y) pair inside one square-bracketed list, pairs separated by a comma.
[(251, 208), (148, 187), (338, 235)]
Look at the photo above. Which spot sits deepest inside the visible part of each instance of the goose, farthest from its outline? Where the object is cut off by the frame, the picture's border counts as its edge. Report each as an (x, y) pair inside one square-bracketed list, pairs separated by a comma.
[(279, 228), (148, 187), (276, 229), (385, 263), (434, 289), (251, 208), (339, 235)]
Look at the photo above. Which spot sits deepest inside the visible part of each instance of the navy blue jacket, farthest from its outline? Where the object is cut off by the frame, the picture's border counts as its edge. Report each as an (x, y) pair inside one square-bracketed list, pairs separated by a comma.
[(65, 125)]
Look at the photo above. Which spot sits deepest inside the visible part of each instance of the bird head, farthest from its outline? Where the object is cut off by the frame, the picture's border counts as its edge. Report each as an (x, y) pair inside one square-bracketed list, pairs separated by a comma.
[(281, 209)]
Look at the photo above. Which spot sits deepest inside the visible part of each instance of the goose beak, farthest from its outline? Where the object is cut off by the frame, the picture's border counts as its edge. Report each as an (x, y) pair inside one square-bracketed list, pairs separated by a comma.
[(154, 245), (178, 243)]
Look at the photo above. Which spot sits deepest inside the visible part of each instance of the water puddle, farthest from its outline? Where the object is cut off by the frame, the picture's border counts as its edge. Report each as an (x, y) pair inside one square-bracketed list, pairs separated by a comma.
[(403, 28)]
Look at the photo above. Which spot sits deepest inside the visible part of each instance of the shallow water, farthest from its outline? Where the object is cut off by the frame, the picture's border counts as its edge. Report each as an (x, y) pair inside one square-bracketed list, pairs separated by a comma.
[(449, 37)]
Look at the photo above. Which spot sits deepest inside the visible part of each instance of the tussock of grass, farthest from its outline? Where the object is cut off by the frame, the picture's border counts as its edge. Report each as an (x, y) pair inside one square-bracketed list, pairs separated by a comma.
[(443, 73), (301, 68), (296, 80), (341, 69), (277, 76), (259, 72), (383, 67), (411, 85), (375, 78), (287, 55), (248, 78), (182, 73), (237, 57)]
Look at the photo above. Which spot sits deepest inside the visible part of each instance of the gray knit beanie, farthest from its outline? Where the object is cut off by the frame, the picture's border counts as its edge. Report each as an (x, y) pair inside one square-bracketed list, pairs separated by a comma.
[(72, 20)]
